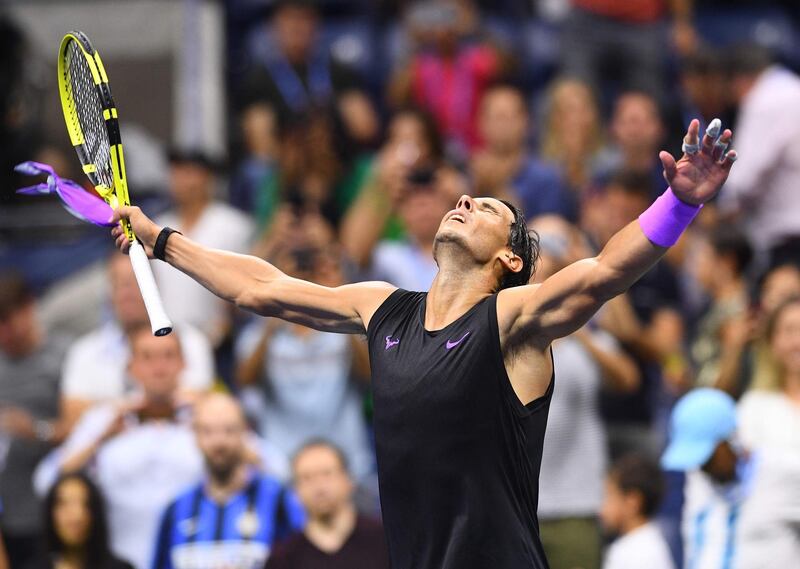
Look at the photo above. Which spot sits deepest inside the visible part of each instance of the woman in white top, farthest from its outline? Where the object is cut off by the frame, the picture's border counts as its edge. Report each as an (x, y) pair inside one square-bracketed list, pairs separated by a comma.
[(769, 413)]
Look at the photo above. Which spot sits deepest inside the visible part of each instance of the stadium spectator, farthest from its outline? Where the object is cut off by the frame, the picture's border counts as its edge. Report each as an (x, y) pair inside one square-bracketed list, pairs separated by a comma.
[(259, 127), (141, 452), (572, 132), (746, 359), (308, 176), (634, 489), (303, 378), (704, 92), (575, 449), (506, 168), (606, 40), (769, 413), (30, 364), (76, 528), (413, 143), (763, 188), (741, 509), (447, 71), (95, 366), (648, 324), (722, 260), (215, 224), (638, 133), (778, 285), (234, 516), (420, 206), (336, 536), (294, 73)]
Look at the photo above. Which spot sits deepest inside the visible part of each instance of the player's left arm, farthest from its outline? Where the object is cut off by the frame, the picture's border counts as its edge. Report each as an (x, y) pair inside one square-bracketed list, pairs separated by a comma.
[(566, 300)]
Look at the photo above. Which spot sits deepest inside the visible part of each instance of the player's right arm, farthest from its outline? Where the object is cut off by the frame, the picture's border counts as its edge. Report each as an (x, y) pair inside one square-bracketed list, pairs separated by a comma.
[(257, 286)]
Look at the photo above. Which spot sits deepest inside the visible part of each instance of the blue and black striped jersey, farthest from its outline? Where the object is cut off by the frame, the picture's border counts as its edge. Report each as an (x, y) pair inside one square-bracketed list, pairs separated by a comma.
[(198, 533)]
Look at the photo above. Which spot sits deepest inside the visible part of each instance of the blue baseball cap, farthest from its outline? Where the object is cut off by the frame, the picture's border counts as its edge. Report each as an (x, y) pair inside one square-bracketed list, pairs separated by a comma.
[(701, 420)]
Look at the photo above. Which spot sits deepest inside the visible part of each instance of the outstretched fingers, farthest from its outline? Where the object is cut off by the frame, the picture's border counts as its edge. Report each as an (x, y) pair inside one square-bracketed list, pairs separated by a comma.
[(670, 166), (691, 142), (711, 135), (728, 159), (721, 145)]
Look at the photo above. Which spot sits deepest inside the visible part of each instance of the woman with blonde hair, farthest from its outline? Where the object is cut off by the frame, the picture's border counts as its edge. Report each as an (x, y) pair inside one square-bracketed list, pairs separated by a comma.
[(572, 130), (769, 413)]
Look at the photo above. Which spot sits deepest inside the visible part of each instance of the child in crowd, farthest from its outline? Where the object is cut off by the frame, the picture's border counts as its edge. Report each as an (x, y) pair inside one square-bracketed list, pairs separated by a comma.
[(634, 488)]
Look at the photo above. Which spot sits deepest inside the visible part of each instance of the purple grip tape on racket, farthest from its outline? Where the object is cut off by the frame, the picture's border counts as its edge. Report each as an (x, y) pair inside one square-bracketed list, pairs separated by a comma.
[(76, 200), (665, 220)]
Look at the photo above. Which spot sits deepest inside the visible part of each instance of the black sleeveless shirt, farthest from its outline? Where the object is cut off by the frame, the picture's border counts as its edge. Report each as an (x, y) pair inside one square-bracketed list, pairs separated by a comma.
[(458, 453)]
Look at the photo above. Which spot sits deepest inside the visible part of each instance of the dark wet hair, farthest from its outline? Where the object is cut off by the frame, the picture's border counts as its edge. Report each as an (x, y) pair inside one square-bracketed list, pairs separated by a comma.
[(635, 473), (98, 553), (525, 245)]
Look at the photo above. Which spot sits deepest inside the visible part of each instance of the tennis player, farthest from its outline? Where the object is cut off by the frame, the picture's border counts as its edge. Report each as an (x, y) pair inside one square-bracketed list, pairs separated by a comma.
[(462, 375)]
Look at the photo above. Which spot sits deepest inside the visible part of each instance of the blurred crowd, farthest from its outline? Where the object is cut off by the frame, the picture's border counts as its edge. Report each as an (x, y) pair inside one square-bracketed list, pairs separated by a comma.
[(236, 441)]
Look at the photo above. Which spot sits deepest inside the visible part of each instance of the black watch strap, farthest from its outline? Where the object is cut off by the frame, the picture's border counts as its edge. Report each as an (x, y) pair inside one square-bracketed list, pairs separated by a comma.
[(160, 248)]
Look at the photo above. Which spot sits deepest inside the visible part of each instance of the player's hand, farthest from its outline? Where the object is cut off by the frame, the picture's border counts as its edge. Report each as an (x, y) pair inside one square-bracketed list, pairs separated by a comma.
[(697, 177), (145, 230)]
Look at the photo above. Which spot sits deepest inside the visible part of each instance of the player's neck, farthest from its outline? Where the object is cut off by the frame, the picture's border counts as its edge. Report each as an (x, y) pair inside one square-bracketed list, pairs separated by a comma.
[(453, 293), (330, 533)]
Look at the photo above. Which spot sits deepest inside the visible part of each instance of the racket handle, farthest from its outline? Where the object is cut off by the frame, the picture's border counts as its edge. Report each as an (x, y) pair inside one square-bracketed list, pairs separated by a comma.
[(159, 321)]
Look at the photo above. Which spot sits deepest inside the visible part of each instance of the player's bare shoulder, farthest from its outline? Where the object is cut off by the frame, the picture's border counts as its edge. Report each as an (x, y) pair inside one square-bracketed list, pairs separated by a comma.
[(513, 304), (367, 297)]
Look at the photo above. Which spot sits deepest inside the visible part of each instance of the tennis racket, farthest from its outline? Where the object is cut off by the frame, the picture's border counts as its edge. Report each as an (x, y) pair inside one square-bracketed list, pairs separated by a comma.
[(93, 126)]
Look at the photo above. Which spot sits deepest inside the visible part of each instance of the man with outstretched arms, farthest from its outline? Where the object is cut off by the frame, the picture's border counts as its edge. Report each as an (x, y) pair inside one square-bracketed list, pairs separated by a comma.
[(462, 375)]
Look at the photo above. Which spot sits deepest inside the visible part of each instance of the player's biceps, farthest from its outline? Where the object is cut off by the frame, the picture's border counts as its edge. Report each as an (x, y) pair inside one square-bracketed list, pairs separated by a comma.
[(569, 314)]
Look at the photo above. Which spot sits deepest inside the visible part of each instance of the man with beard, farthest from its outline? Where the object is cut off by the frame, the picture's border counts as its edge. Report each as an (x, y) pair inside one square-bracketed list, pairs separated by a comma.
[(233, 517)]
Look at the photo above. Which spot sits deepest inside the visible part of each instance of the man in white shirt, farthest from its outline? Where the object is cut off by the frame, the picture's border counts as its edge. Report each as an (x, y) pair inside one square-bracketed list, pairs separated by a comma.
[(95, 366), (205, 220), (763, 189), (741, 510), (634, 489), (141, 452)]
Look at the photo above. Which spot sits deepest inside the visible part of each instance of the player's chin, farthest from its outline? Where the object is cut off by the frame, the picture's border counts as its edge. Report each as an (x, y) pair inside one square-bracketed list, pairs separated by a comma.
[(450, 232)]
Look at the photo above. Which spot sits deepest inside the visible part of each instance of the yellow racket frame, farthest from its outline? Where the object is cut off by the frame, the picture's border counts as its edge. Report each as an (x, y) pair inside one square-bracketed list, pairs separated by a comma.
[(117, 195)]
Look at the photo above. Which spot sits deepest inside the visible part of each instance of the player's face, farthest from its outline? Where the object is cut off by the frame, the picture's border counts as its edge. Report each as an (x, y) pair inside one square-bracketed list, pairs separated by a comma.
[(220, 430), (480, 225), (156, 363), (71, 516), (321, 482)]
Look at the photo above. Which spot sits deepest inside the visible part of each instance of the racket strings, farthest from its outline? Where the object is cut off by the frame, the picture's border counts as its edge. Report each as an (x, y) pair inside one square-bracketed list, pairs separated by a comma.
[(88, 109)]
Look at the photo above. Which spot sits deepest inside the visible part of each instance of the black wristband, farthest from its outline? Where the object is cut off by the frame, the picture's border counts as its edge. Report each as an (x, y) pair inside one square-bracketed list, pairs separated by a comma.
[(159, 249)]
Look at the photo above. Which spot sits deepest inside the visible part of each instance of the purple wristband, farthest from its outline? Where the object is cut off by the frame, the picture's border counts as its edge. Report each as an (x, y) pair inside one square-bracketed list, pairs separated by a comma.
[(665, 220)]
